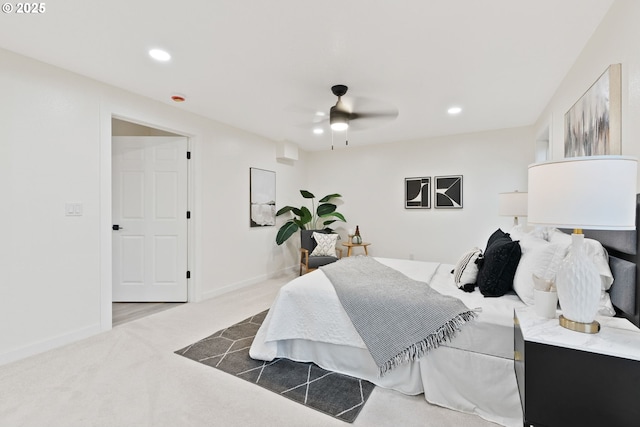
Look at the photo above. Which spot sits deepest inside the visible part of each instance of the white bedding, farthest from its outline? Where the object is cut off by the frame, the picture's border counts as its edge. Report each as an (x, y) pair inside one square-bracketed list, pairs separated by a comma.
[(492, 333), (473, 374)]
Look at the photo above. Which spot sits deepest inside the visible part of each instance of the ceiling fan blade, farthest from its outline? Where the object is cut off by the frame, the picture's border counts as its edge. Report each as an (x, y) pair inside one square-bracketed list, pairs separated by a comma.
[(373, 119), (390, 114), (311, 125), (304, 117), (300, 110), (368, 112)]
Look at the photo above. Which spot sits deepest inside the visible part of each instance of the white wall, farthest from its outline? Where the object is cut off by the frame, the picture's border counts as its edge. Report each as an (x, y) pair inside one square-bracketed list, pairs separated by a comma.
[(124, 128), (614, 41), (55, 139), (49, 263), (371, 181)]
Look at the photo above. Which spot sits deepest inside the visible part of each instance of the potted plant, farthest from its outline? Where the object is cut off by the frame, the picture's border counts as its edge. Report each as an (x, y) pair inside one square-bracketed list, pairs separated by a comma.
[(304, 218)]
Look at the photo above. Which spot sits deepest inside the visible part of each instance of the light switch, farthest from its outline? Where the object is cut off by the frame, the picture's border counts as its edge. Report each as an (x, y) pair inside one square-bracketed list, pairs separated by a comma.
[(73, 209)]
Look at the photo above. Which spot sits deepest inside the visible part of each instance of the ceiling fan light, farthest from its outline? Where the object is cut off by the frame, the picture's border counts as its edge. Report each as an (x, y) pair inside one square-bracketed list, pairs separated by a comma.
[(339, 125), (338, 119)]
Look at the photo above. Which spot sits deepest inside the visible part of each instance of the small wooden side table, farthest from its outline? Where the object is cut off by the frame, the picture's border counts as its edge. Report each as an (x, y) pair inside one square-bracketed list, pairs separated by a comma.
[(356, 245)]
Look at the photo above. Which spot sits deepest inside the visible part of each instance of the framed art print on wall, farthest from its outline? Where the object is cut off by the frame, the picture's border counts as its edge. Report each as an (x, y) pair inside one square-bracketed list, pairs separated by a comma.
[(417, 193), (262, 191), (448, 192), (592, 126)]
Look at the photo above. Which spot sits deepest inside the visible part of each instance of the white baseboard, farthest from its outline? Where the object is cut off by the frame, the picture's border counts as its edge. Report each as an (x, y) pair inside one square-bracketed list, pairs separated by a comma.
[(80, 334), (49, 344), (244, 283)]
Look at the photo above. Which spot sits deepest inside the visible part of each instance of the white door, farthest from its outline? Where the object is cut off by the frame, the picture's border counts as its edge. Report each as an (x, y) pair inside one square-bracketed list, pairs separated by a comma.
[(149, 218)]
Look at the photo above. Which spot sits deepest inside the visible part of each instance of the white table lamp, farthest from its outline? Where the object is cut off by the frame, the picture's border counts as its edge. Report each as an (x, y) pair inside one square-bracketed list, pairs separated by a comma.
[(593, 193), (512, 204)]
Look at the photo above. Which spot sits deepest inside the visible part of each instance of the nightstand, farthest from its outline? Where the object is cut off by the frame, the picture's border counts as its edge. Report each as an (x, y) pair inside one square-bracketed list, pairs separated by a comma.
[(356, 245), (568, 378)]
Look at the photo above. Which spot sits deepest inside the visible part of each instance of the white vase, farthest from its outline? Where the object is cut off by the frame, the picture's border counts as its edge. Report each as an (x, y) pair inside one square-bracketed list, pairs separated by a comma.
[(579, 284)]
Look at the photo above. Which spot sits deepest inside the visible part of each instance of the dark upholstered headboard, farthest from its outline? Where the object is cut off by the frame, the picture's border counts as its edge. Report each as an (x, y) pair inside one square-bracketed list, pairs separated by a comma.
[(623, 259)]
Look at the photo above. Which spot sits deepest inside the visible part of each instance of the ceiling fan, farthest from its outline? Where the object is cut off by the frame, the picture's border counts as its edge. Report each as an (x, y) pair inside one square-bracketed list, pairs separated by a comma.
[(341, 116)]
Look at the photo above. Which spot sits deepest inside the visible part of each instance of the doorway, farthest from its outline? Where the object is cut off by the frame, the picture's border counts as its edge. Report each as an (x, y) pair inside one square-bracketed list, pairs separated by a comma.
[(124, 312), (150, 214)]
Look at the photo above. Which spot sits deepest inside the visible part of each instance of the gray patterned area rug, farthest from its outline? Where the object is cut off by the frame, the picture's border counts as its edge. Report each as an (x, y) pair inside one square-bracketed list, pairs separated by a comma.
[(334, 394)]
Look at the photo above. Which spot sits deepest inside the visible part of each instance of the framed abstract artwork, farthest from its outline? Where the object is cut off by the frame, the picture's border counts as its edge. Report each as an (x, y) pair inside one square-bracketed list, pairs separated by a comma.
[(592, 126), (448, 192), (417, 193), (262, 195)]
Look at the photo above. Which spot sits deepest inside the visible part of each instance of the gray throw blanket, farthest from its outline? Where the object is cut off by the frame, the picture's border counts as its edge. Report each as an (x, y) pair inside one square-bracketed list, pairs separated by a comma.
[(398, 318)]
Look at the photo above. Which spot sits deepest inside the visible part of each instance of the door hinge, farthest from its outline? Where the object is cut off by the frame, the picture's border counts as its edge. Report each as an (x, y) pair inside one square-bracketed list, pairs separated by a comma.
[(188, 214), (188, 155), (188, 275)]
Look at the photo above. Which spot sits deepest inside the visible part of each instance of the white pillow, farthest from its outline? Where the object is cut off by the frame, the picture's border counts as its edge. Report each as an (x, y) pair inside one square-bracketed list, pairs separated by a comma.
[(605, 308), (466, 269), (538, 257), (519, 232), (326, 244), (557, 236), (600, 257)]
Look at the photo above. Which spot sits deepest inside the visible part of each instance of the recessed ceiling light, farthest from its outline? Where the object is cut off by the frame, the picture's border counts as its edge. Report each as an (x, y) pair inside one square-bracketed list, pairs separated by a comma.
[(318, 131), (159, 55), (454, 110)]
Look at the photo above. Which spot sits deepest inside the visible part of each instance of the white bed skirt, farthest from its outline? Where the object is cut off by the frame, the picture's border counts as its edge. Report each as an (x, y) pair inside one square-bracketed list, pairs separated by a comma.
[(474, 383), (469, 382)]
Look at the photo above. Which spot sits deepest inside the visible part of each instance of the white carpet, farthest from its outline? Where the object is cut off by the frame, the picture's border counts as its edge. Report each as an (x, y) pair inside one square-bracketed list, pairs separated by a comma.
[(130, 376)]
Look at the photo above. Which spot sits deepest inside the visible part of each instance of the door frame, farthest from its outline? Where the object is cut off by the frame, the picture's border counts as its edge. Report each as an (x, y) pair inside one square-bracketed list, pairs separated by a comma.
[(108, 113)]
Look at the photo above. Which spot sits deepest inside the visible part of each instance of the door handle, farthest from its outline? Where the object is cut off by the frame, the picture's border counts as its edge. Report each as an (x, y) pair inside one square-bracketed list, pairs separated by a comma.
[(116, 227)]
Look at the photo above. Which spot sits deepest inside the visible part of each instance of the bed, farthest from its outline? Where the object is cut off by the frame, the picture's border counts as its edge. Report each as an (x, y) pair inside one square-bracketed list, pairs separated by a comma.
[(473, 372)]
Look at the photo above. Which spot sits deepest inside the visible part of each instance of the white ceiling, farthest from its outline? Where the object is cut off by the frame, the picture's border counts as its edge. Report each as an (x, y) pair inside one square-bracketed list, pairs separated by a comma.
[(267, 66)]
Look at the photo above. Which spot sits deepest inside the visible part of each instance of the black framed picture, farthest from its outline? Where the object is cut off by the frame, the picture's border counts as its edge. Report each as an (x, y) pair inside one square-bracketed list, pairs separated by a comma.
[(448, 192), (417, 193)]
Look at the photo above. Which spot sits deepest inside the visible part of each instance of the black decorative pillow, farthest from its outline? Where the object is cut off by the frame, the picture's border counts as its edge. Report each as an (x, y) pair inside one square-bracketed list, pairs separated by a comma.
[(498, 234), (498, 267)]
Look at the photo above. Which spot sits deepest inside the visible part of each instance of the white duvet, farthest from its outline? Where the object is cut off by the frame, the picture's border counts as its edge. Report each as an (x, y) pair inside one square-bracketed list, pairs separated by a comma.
[(473, 373), (308, 308)]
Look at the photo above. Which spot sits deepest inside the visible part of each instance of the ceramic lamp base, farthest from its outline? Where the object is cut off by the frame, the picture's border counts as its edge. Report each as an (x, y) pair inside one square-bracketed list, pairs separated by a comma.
[(587, 328), (579, 284)]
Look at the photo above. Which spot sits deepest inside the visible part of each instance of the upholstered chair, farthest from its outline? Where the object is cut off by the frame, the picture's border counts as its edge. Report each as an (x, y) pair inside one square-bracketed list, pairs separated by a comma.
[(312, 255)]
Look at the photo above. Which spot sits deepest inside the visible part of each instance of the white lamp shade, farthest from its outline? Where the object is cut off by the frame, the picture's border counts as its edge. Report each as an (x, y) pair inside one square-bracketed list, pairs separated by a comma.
[(593, 192), (512, 204)]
